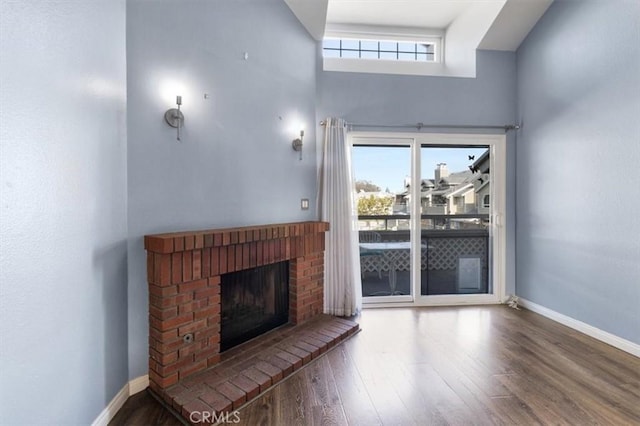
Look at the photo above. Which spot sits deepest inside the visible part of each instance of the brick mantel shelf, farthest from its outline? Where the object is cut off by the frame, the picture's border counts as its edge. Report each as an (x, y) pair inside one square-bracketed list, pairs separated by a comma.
[(184, 270)]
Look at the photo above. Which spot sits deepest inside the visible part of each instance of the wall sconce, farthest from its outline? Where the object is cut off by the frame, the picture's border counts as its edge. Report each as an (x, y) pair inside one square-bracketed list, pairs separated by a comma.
[(297, 143), (174, 116)]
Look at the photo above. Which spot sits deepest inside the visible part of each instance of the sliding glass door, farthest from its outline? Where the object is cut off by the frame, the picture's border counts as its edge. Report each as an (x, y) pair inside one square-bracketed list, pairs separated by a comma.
[(430, 210), (381, 171), (455, 220)]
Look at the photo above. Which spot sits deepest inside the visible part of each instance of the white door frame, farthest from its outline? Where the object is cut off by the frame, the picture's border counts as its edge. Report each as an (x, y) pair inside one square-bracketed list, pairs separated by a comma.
[(497, 145)]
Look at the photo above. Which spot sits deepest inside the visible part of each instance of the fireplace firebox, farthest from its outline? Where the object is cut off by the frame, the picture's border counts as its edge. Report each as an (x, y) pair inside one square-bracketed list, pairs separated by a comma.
[(253, 301)]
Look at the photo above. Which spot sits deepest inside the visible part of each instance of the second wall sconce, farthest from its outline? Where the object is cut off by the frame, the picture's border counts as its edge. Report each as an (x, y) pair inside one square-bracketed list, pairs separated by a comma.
[(297, 143), (174, 116)]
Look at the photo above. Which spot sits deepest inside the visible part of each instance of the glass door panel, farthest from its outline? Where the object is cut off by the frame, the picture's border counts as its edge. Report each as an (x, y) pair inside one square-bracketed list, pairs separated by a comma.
[(382, 193), (455, 207)]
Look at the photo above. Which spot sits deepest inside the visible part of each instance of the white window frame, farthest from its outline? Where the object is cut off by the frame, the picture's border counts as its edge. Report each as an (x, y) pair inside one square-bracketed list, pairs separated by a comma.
[(497, 146), (385, 66)]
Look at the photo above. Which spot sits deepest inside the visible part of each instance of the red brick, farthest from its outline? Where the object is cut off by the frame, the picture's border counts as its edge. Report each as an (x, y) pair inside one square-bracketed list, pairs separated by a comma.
[(259, 377), (162, 270), (285, 366), (208, 312), (191, 368), (218, 402), (310, 347), (231, 259), (248, 386), (178, 244), (196, 411), (192, 327), (234, 238), (299, 352), (215, 261), (196, 264), (259, 253), (169, 369), (289, 357), (163, 291), (214, 321), (206, 262), (270, 370), (337, 329), (150, 273), (163, 314), (163, 336), (158, 244), (199, 241), (234, 394), (168, 301), (206, 333), (183, 396), (161, 358), (272, 251), (176, 268), (222, 263), (189, 242), (192, 286), (163, 381), (175, 322), (239, 258), (207, 292), (190, 349), (206, 354), (187, 271), (320, 337), (214, 340), (188, 307), (213, 360)]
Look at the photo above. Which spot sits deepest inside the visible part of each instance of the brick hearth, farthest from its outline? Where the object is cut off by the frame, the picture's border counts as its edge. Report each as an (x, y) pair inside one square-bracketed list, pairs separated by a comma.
[(184, 270), (253, 367)]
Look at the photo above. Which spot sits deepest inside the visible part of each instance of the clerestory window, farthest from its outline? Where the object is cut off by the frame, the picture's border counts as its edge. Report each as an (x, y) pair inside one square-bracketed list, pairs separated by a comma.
[(408, 54), (379, 50)]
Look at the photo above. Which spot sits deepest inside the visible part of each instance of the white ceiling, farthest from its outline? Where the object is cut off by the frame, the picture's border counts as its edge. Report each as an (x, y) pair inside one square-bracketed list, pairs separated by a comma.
[(505, 22), (437, 14)]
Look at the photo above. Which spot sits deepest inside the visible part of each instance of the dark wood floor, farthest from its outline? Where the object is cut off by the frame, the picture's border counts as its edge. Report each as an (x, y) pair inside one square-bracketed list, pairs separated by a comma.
[(437, 366)]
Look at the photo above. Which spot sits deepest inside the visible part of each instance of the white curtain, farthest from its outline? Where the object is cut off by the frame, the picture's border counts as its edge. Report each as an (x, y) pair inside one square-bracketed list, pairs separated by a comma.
[(342, 288)]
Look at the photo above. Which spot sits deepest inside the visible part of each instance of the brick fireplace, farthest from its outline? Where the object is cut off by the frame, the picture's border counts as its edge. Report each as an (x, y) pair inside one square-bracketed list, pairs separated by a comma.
[(184, 271)]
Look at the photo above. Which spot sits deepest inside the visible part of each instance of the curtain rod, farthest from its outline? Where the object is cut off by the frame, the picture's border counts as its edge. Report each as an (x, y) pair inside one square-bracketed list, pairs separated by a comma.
[(419, 126)]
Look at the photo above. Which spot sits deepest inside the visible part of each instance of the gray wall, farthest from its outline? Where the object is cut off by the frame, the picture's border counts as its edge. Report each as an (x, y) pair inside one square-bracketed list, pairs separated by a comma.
[(488, 99), (578, 186), (235, 165), (63, 273)]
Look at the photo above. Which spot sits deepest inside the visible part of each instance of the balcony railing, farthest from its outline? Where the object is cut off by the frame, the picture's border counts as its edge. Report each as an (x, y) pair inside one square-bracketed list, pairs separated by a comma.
[(401, 222), (446, 239)]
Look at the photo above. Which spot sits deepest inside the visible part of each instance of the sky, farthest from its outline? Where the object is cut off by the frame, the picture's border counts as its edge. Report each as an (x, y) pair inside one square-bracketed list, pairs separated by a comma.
[(387, 167)]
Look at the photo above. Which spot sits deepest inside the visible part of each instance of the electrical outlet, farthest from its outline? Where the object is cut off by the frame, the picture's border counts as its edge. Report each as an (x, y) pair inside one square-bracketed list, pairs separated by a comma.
[(304, 204)]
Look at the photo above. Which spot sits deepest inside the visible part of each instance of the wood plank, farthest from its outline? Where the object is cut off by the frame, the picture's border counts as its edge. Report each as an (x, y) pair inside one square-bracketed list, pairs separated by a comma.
[(447, 366)]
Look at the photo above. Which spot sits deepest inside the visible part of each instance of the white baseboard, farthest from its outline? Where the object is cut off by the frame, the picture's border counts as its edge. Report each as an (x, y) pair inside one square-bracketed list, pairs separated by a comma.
[(589, 330), (131, 388), (138, 384)]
